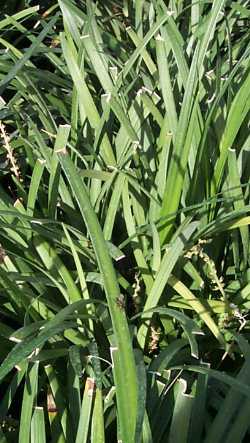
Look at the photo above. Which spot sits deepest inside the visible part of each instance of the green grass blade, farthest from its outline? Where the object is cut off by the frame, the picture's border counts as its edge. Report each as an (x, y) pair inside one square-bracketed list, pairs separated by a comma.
[(29, 397), (146, 56), (11, 390), (124, 368), (85, 98), (142, 394), (197, 306), (167, 264), (18, 16), (18, 66), (181, 414), (60, 402), (237, 114), (165, 84), (60, 143), (140, 48), (97, 426), (34, 186), (177, 167), (234, 404), (131, 229), (198, 409), (85, 417), (234, 183), (38, 426), (209, 32)]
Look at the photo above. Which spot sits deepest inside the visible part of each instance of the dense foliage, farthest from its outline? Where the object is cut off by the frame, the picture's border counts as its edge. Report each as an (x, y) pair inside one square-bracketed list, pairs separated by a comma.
[(124, 213)]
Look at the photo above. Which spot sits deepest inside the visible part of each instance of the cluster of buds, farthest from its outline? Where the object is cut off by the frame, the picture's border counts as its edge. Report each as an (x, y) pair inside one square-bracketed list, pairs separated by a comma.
[(137, 289), (2, 254), (155, 334), (8, 425), (235, 319), (10, 156), (198, 251)]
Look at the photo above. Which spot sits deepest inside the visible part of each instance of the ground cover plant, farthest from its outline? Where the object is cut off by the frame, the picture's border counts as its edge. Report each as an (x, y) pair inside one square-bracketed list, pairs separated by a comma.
[(124, 213)]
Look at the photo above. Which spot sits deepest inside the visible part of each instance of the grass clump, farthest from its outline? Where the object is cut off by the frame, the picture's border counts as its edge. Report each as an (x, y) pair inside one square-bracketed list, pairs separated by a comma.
[(124, 211)]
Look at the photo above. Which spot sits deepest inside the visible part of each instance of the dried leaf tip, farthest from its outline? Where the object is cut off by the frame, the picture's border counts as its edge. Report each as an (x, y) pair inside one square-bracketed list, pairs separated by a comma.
[(62, 151), (159, 38)]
